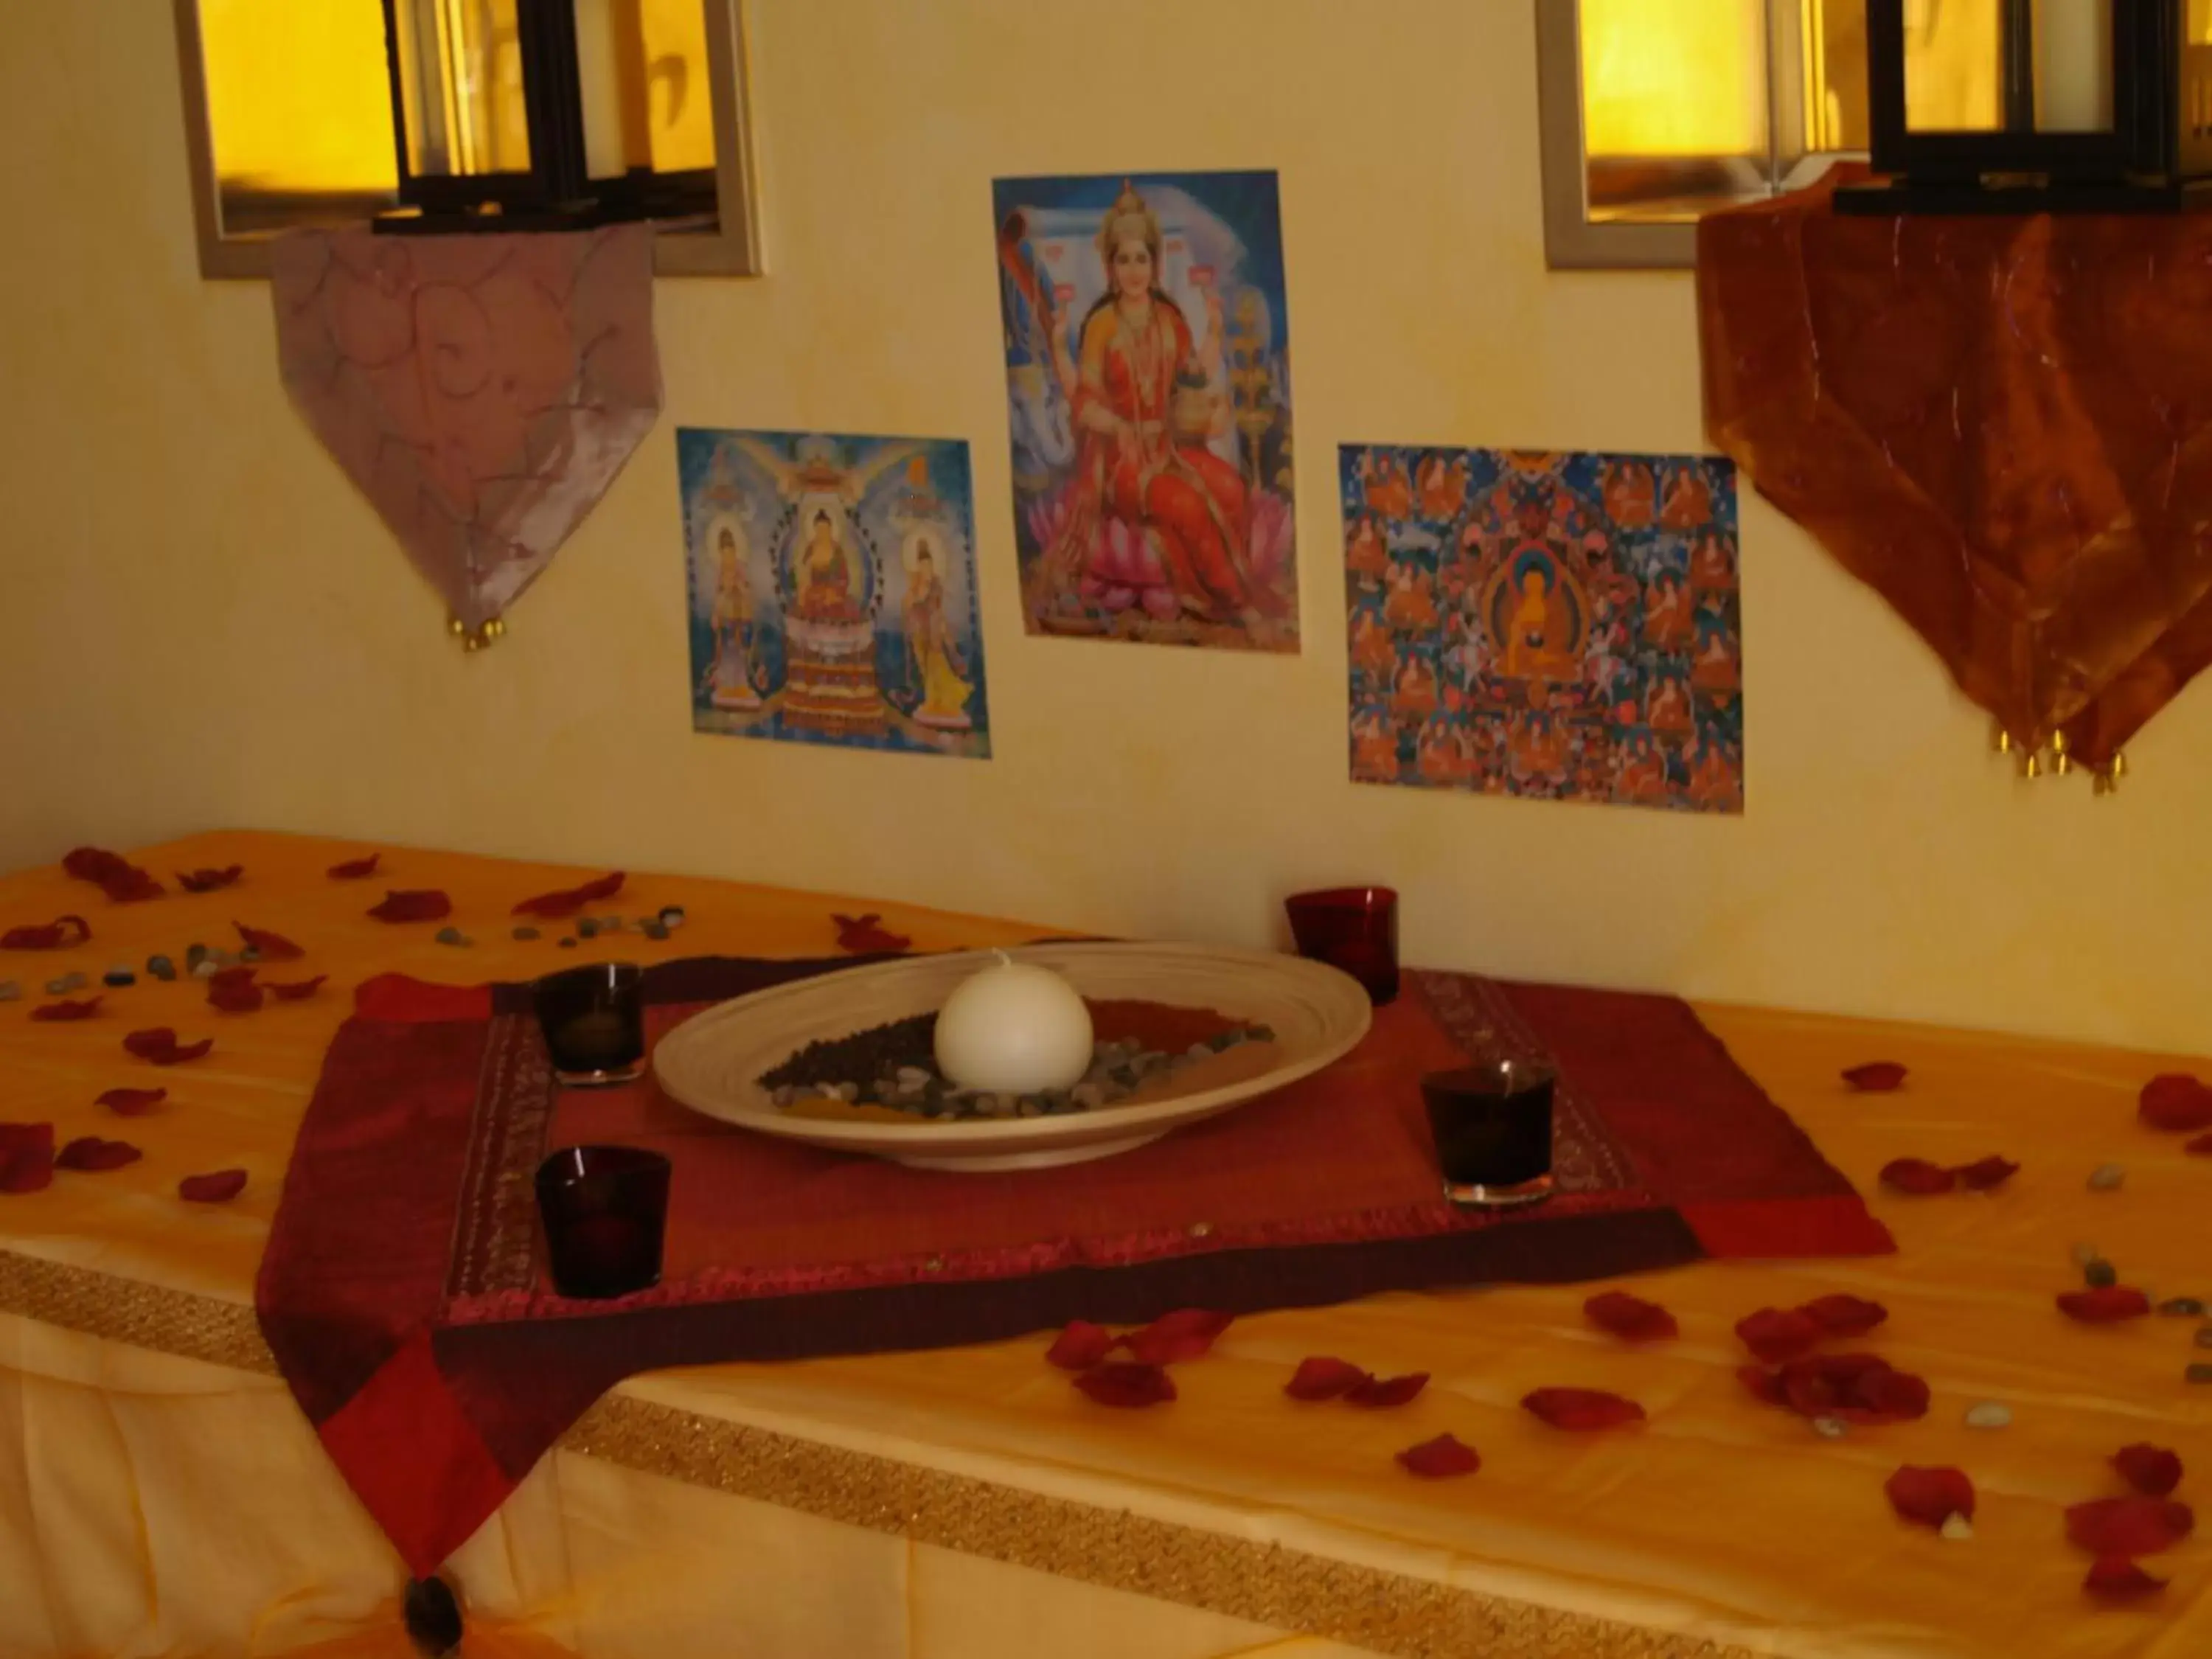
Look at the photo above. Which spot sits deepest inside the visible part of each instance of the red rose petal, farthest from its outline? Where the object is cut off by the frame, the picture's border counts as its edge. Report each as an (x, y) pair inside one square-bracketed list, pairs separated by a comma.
[(1183, 1334), (66, 1009), (1128, 1386), (1322, 1377), (1985, 1174), (1930, 1497), (569, 900), (295, 990), (2151, 1470), (2200, 1147), (1778, 1333), (1839, 1314), (2105, 1306), (90, 1153), (2129, 1526), (1581, 1410), (209, 881), (1858, 1387), (2176, 1104), (237, 996), (1630, 1318), (159, 1044), (27, 1157), (1766, 1384), (2116, 1579), (356, 869), (48, 935), (93, 864), (419, 904), (122, 881), (862, 936), (218, 1187), (1917, 1175), (1876, 1077), (1886, 1396), (1387, 1392), (273, 947), (1440, 1459), (132, 1102), (1080, 1346)]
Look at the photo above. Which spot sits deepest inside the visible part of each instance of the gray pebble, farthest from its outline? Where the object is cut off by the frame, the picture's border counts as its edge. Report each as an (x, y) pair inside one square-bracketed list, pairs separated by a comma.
[(610, 924), (9, 990), (2100, 1275), (250, 953), (653, 927), (58, 987), (2106, 1178), (205, 968), (117, 978), (1989, 1414), (160, 967), (2197, 1373), (2182, 1307), (847, 1092), (672, 916), (784, 1095), (1029, 1108), (526, 933), (1957, 1527), (1831, 1428), (913, 1077), (222, 958), (195, 953), (450, 936), (1197, 1051), (2204, 1336), (567, 943), (586, 927), (75, 981), (1087, 1096), (2085, 1254)]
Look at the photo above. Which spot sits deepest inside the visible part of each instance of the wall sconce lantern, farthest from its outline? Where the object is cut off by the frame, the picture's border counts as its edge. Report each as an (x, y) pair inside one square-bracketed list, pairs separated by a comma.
[(527, 115), (2102, 106)]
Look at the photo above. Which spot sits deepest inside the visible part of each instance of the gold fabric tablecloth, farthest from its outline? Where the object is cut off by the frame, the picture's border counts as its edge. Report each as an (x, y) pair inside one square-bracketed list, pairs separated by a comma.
[(160, 1493)]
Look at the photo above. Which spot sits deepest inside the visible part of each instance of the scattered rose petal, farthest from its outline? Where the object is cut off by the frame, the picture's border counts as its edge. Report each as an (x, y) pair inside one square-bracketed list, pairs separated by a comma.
[(90, 1154), (1581, 1410), (2200, 1147), (1888, 1397), (2175, 1103), (1080, 1346), (1322, 1377), (159, 1044), (863, 936), (2151, 1470), (54, 935), (209, 881), (1183, 1334), (1440, 1459), (294, 990), (132, 1102), (1630, 1318), (232, 991), (1930, 1496), (1766, 1384), (218, 1187), (27, 1157), (419, 904), (1127, 1386), (1388, 1391), (273, 947), (2116, 1579), (2129, 1526), (1778, 1333), (1844, 1316), (1876, 1077), (1986, 1175), (1917, 1175), (66, 1009), (569, 900), (122, 881), (1852, 1387), (2104, 1305), (356, 869)]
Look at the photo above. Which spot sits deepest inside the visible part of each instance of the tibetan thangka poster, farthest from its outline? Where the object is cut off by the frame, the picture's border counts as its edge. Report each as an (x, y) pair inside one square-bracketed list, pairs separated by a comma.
[(1148, 389), (1559, 626), (833, 590)]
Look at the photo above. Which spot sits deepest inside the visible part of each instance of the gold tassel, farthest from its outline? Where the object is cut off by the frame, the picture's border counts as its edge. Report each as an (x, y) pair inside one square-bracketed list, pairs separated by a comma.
[(2001, 739), (2061, 762), (2031, 766), (2120, 765), (2058, 743)]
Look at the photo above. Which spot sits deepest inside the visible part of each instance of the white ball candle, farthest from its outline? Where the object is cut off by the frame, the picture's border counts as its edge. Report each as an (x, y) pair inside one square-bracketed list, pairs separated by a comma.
[(1014, 1029)]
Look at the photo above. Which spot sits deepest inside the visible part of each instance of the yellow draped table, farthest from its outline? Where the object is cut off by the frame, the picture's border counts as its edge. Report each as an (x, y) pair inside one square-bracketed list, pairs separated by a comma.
[(160, 1493)]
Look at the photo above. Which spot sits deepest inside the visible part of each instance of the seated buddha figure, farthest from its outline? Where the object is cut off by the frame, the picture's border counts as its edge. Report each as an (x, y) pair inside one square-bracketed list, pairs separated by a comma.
[(823, 573), (1540, 629)]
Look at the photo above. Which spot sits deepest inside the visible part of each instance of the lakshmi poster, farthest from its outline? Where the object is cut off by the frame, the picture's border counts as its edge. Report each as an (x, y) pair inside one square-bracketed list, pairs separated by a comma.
[(833, 590), (1559, 626), (1148, 391)]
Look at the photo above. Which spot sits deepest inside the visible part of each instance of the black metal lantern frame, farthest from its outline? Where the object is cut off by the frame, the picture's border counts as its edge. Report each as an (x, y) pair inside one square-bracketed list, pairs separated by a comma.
[(2145, 162), (557, 191)]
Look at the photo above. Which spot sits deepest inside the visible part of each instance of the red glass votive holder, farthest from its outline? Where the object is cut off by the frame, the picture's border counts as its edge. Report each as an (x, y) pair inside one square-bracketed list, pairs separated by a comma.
[(605, 1213), (1354, 928), (1492, 1125), (594, 1019)]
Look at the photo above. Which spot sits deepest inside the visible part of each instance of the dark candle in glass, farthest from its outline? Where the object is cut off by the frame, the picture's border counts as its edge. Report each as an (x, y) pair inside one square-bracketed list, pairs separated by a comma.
[(1354, 928), (1492, 1125), (594, 1019), (605, 1210)]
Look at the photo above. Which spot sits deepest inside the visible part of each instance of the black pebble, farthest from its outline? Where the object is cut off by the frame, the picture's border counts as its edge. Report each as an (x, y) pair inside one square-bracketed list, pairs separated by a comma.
[(434, 1618)]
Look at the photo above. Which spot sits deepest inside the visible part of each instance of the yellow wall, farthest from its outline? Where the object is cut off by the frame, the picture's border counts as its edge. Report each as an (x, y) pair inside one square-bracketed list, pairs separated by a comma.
[(201, 625)]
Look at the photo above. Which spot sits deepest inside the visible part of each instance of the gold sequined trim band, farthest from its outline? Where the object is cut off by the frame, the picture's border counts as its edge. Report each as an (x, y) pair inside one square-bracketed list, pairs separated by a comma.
[(1241, 1578)]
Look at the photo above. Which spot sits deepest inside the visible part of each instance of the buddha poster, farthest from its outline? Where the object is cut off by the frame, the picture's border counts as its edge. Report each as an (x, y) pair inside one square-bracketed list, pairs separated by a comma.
[(1560, 626), (1148, 391), (832, 584)]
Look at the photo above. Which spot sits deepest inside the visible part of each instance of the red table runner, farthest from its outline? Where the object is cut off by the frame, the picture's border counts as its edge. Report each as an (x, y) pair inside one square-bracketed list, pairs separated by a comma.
[(402, 1291)]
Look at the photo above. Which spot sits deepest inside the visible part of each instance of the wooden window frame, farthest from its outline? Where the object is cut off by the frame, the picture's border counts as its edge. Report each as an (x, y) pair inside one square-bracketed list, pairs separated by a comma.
[(729, 247)]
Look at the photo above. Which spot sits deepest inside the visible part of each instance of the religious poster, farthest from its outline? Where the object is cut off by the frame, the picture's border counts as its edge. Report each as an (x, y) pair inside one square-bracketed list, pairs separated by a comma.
[(1559, 626), (833, 590), (1148, 391)]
